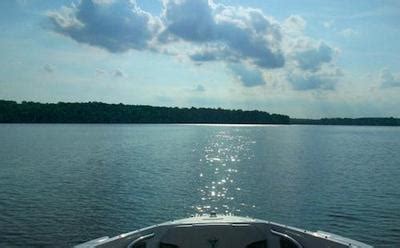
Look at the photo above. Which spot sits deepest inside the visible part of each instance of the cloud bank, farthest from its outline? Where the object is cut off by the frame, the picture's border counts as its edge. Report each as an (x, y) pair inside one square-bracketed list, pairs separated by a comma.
[(246, 39)]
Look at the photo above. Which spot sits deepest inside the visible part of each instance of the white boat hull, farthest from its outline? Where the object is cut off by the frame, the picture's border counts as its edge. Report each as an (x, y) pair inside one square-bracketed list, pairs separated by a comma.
[(220, 231)]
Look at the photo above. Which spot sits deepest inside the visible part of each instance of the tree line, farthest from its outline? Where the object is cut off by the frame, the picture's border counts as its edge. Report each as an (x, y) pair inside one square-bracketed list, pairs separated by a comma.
[(388, 121), (97, 112)]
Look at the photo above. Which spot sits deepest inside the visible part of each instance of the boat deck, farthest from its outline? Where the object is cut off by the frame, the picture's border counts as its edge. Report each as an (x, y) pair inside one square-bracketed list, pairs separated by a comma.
[(223, 231)]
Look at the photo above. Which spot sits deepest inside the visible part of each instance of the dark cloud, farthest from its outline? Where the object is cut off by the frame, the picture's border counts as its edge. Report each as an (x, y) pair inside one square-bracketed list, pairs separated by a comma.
[(199, 88), (48, 68), (311, 82), (388, 80), (313, 58), (114, 25), (242, 33), (321, 80), (212, 53), (118, 73), (100, 72), (191, 20), (203, 56), (250, 35), (247, 76)]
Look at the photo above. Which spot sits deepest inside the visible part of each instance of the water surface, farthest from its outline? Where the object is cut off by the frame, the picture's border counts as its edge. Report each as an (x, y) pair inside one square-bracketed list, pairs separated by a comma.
[(65, 184)]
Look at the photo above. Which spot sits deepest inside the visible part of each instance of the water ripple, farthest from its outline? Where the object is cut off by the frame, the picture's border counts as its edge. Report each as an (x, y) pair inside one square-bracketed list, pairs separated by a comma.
[(65, 184)]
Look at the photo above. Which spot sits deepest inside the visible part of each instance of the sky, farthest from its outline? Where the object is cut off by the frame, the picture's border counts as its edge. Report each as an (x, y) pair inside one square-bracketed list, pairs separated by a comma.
[(306, 59)]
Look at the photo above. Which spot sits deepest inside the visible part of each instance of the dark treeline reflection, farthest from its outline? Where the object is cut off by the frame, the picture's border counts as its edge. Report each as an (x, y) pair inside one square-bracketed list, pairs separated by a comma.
[(96, 112)]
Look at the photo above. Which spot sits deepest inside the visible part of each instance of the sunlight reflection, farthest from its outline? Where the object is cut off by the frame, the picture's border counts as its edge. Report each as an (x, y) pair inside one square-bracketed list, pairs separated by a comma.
[(222, 157)]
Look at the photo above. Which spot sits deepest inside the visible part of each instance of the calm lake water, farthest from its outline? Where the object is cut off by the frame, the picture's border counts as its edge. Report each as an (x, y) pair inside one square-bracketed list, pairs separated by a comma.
[(65, 184)]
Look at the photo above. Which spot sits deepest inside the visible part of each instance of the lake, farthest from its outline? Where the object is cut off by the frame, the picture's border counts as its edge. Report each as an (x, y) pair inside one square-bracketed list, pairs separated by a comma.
[(65, 184)]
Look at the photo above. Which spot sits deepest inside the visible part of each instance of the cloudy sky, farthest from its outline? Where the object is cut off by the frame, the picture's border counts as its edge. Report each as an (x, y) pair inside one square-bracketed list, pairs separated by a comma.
[(307, 58)]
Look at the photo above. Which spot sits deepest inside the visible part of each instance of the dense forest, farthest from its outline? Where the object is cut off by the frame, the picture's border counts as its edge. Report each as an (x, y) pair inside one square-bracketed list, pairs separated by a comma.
[(390, 121), (96, 112)]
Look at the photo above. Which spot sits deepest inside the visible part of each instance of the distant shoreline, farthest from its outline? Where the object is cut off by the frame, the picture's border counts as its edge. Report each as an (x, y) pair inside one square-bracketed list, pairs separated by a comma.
[(102, 113), (365, 121)]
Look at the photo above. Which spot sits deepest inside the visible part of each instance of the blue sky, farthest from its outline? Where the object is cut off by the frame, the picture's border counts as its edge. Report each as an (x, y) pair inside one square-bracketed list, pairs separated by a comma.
[(303, 58)]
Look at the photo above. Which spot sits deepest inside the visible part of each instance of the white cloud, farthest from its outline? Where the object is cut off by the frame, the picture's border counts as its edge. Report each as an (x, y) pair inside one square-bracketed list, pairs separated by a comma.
[(294, 24), (245, 37), (328, 24), (224, 32), (113, 25), (348, 32), (65, 20)]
